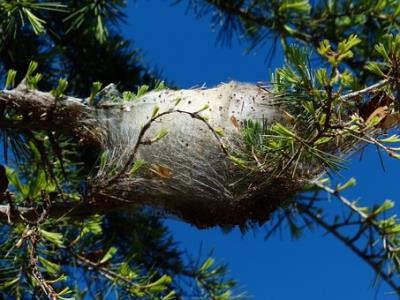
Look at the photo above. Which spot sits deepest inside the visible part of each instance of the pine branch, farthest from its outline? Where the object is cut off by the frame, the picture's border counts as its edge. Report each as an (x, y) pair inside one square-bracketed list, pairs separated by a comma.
[(47, 288), (97, 204), (105, 125), (366, 90), (381, 249), (41, 111), (360, 252)]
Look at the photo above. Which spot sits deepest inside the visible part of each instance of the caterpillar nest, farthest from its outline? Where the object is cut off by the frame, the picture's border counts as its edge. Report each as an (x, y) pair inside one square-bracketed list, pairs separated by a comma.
[(194, 162)]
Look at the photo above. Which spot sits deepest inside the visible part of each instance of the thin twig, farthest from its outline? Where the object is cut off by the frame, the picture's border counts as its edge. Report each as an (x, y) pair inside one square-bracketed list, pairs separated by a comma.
[(366, 258), (36, 273), (377, 85), (390, 250)]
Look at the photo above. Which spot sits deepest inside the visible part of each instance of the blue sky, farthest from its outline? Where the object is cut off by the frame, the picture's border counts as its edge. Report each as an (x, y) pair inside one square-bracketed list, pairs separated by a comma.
[(315, 267)]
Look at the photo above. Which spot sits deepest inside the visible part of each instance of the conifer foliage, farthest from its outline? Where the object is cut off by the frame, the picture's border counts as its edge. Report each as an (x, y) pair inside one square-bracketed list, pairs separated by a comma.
[(64, 174)]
